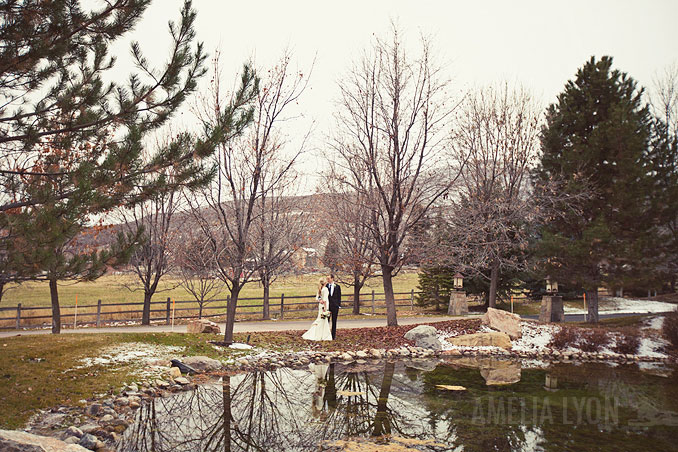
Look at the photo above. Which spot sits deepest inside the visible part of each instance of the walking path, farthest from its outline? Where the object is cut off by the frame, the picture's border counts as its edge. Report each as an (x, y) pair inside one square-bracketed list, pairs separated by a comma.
[(245, 327)]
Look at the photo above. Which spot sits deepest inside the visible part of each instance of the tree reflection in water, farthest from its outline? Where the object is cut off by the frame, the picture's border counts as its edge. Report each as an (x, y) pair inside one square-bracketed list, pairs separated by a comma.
[(277, 410)]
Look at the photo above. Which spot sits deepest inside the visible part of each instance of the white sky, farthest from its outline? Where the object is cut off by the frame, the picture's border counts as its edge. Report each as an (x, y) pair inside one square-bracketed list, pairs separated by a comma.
[(539, 44)]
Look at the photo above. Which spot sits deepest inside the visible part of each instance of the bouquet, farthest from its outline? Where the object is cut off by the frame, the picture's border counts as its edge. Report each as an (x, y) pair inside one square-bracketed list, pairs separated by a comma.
[(325, 315)]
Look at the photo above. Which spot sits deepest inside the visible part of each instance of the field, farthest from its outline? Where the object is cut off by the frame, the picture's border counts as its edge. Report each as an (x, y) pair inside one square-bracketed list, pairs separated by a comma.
[(125, 289), (122, 289)]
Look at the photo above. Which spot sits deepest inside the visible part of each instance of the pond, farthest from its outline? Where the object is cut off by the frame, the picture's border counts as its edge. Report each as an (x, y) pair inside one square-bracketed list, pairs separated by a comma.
[(409, 405)]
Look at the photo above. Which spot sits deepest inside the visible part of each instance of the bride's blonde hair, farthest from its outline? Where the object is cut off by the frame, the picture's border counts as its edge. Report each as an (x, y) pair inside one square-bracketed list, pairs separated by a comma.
[(320, 286)]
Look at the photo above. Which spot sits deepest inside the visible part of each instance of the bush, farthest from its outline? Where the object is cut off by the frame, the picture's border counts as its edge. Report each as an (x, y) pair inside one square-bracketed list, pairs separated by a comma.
[(563, 338), (627, 344), (670, 329), (592, 340)]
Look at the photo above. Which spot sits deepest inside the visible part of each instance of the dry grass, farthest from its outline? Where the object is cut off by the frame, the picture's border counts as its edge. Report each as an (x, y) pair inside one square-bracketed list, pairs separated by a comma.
[(115, 289)]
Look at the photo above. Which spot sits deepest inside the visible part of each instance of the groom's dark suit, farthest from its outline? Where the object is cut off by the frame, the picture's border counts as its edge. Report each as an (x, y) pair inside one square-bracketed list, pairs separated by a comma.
[(335, 304)]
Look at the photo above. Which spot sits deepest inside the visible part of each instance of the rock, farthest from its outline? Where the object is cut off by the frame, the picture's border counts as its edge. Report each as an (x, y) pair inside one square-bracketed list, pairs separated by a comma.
[(161, 383), (174, 372), (74, 431), (453, 352), (424, 336), (93, 409), (501, 374), (89, 428), (133, 387), (183, 368), (202, 326), (89, 441), (72, 440), (122, 401), (106, 419), (202, 363), (503, 321), (362, 354), (493, 339), (17, 441), (182, 380), (346, 357), (134, 405)]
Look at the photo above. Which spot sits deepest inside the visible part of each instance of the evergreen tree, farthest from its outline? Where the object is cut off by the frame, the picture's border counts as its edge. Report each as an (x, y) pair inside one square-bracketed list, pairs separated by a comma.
[(597, 134), (72, 145)]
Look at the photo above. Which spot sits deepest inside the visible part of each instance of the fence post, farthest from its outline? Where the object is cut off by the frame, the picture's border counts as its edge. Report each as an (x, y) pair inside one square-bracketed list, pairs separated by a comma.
[(412, 300), (372, 301), (18, 316), (167, 312), (98, 313), (282, 306)]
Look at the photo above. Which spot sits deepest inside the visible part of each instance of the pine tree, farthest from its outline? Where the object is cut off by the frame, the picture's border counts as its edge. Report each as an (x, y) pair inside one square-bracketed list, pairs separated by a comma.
[(72, 146), (597, 134)]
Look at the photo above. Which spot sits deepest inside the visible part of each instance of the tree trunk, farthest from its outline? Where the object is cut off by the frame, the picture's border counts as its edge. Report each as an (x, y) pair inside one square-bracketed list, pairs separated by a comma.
[(200, 304), (387, 277), (356, 295), (226, 396), (267, 289), (146, 313), (592, 303), (56, 310), (230, 313), (494, 279), (382, 426), (2, 290)]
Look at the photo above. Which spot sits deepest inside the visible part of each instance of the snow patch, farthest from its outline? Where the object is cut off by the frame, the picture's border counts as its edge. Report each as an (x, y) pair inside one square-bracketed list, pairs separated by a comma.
[(535, 337), (240, 346), (133, 352), (618, 305)]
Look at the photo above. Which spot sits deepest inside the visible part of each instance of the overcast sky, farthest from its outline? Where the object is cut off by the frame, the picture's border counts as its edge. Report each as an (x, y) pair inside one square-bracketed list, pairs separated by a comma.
[(539, 44)]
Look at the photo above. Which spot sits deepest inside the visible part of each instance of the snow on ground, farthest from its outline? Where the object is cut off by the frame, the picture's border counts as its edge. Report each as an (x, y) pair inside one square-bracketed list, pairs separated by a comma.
[(617, 305), (654, 323), (240, 346), (132, 352), (535, 337)]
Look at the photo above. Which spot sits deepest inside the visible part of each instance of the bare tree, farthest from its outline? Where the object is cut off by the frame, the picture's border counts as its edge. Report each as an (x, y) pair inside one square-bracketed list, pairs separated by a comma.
[(355, 252), (490, 219), (278, 233), (195, 264), (387, 145), (248, 167), (151, 260), (664, 97)]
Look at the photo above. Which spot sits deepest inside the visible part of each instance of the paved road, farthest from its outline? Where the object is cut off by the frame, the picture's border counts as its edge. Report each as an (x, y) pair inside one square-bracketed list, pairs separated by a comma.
[(246, 327), (298, 325)]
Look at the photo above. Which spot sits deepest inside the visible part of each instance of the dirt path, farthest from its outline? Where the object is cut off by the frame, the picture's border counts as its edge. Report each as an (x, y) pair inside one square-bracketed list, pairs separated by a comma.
[(244, 327)]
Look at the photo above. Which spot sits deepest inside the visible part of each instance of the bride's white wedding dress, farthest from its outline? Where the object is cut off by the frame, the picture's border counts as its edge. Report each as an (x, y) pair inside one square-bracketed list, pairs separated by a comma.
[(320, 328)]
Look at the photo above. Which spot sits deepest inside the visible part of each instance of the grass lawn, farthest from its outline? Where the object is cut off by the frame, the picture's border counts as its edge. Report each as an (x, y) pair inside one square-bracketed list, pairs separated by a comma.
[(40, 372), (116, 289)]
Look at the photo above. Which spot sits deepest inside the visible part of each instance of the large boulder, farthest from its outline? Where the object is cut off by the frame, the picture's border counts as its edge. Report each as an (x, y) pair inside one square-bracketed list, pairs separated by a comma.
[(493, 339), (16, 441), (202, 326), (202, 363), (424, 336), (503, 321)]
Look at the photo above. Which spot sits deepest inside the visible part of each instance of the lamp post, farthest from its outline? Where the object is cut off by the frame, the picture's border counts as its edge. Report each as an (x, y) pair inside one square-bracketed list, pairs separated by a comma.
[(458, 302), (551, 304), (551, 286)]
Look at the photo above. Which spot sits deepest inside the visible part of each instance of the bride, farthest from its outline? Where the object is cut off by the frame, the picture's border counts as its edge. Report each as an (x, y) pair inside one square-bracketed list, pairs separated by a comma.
[(320, 329)]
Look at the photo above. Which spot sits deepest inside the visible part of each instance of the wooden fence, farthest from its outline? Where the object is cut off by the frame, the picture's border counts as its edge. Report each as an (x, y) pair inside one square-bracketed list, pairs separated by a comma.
[(169, 311)]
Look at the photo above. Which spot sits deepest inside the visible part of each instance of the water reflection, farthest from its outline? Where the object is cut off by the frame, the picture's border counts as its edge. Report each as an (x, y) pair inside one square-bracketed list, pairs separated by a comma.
[(296, 410)]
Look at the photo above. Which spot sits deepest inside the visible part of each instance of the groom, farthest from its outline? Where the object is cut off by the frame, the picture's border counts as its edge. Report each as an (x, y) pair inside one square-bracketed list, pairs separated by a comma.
[(335, 302)]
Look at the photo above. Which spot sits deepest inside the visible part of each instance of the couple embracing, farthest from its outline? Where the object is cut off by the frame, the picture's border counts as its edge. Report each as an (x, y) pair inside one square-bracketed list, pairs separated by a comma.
[(329, 302)]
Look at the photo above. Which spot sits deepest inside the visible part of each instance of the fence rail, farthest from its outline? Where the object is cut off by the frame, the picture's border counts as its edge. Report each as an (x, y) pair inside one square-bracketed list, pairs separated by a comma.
[(99, 314)]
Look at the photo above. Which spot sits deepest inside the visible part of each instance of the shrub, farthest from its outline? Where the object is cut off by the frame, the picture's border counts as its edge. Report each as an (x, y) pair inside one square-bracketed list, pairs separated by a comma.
[(627, 344), (593, 339), (563, 338), (670, 329)]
